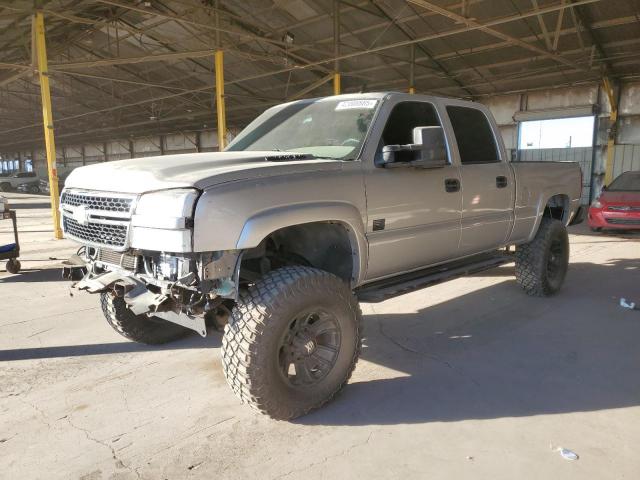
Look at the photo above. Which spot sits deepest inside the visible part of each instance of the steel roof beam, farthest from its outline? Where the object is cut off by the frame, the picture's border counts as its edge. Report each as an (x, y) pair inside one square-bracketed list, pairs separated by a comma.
[(470, 27), (487, 27), (440, 66), (207, 87), (543, 26), (207, 26), (593, 37)]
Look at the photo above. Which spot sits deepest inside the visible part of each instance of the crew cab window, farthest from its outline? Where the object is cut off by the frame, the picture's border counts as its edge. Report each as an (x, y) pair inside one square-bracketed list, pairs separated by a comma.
[(476, 143), (404, 117)]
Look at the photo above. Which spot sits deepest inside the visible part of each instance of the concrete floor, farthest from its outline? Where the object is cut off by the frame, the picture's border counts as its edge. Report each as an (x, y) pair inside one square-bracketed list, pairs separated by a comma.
[(468, 379)]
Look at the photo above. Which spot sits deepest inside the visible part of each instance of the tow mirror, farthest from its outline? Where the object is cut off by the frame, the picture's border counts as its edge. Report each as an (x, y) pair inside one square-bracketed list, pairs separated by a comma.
[(428, 150)]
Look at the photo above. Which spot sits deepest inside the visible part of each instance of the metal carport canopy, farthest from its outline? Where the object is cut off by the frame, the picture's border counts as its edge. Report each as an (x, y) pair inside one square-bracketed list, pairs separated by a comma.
[(553, 113)]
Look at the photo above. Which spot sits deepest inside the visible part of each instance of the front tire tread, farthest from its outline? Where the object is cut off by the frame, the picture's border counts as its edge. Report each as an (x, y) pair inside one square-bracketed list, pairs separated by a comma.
[(244, 363)]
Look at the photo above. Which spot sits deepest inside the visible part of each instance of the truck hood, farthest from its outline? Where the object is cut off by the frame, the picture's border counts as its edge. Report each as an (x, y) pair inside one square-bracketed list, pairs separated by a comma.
[(199, 170)]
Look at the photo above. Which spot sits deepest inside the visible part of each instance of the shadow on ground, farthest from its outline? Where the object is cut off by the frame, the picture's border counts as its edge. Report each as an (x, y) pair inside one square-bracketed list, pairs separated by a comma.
[(35, 275), (497, 353), (491, 353), (30, 206), (213, 340)]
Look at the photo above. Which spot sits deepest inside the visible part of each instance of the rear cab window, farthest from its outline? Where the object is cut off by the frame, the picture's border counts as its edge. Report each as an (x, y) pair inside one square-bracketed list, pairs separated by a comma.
[(474, 135)]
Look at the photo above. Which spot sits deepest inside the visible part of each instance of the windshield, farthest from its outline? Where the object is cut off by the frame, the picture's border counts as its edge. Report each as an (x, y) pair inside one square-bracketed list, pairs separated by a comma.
[(627, 182), (322, 128)]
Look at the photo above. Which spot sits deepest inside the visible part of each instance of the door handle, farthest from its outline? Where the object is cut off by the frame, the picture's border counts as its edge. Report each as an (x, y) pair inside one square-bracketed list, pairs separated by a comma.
[(501, 181), (452, 185)]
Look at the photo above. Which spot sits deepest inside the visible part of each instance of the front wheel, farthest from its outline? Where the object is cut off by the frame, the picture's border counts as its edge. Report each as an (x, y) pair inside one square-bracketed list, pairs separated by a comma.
[(541, 265), (139, 328), (292, 341)]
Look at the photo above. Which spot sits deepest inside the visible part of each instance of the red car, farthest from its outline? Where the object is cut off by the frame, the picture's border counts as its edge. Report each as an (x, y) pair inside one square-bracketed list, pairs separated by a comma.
[(618, 206)]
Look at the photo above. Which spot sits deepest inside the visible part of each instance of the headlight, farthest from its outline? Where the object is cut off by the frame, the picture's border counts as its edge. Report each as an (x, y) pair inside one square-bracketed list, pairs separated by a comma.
[(167, 209), (597, 204)]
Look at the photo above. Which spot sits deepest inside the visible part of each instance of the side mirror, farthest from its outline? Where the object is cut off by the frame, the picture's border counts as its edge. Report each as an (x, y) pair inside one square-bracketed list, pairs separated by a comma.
[(604, 188), (428, 150)]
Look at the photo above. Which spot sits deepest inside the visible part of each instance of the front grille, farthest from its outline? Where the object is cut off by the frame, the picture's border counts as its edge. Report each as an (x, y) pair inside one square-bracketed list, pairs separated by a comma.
[(122, 260), (624, 208), (104, 203), (97, 218), (623, 221), (97, 233)]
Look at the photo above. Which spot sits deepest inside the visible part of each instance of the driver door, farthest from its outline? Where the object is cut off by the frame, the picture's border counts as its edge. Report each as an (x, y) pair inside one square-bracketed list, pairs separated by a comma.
[(413, 214)]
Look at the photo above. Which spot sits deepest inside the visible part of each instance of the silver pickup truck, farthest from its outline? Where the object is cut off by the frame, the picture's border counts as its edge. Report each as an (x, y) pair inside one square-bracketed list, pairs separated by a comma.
[(315, 205)]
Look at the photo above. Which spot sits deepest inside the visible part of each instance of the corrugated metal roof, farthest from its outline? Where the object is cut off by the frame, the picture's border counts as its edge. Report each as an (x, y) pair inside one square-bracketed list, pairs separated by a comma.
[(463, 48)]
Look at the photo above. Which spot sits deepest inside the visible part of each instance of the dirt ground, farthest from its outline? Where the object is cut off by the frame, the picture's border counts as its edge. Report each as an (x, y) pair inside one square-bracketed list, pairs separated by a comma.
[(468, 379)]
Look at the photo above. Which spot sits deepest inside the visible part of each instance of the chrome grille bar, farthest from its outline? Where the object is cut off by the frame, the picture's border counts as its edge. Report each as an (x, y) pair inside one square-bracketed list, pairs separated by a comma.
[(99, 202), (99, 219)]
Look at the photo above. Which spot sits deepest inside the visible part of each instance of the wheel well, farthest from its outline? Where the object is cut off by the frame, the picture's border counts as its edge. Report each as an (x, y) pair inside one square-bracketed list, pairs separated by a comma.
[(323, 245), (557, 207)]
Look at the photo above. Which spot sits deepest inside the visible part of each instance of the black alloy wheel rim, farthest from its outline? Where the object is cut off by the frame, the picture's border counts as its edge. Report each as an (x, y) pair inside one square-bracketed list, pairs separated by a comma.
[(556, 260), (309, 348)]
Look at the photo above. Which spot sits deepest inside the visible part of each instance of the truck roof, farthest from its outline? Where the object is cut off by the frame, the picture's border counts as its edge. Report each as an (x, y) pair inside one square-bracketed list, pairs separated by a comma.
[(372, 95)]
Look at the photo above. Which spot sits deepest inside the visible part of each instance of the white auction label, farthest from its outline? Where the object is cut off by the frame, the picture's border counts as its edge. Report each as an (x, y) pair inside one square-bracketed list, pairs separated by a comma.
[(350, 104)]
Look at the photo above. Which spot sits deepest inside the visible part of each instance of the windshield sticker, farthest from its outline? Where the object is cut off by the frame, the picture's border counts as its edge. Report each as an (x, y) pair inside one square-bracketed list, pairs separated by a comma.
[(353, 104)]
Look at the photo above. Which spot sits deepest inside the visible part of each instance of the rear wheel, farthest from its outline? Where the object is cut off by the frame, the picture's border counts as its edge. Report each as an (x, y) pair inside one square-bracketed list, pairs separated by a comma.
[(139, 328), (5, 187), (34, 189), (541, 265), (292, 342)]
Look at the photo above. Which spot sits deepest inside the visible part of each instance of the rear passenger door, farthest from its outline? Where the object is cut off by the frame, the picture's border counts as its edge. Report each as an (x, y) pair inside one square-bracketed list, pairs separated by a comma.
[(487, 180)]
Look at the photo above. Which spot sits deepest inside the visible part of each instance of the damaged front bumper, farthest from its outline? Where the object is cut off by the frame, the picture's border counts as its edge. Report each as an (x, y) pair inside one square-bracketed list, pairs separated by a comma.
[(180, 290)]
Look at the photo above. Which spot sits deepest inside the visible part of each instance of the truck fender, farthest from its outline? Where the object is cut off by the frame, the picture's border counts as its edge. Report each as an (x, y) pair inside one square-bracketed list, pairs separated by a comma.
[(261, 225), (543, 200)]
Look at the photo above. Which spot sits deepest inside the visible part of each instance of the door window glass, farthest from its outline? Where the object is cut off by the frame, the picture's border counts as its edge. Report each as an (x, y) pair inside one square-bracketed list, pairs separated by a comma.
[(476, 143), (404, 117)]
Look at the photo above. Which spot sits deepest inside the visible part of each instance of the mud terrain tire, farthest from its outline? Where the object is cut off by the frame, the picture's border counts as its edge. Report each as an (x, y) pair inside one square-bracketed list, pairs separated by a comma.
[(541, 265), (292, 342)]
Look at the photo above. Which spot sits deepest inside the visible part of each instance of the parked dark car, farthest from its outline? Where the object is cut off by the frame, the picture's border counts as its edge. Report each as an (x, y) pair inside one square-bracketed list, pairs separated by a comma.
[(618, 206), (32, 186), (14, 180), (44, 183)]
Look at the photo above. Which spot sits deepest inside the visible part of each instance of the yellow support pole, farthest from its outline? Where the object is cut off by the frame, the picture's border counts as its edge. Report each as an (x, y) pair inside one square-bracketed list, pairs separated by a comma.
[(412, 64), (336, 83), (337, 87), (47, 117), (222, 114), (613, 116)]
